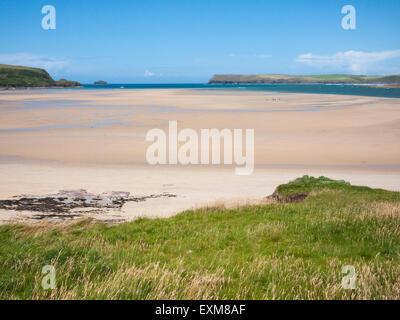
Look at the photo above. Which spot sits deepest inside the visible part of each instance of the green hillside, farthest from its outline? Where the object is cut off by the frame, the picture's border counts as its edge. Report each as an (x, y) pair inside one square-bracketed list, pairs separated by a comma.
[(19, 77), (281, 78), (291, 248)]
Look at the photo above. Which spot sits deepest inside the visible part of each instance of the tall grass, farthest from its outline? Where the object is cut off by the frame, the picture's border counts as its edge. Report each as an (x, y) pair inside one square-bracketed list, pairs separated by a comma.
[(273, 251)]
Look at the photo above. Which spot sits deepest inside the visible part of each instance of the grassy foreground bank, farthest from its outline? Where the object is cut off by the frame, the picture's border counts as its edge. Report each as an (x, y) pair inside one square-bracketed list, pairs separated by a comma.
[(276, 251)]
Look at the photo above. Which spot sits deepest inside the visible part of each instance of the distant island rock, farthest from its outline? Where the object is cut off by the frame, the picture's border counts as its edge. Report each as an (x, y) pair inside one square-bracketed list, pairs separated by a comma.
[(13, 77), (100, 82), (312, 79)]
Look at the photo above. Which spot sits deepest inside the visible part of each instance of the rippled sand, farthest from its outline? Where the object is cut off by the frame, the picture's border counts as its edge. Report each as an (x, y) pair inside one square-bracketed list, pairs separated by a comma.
[(95, 139)]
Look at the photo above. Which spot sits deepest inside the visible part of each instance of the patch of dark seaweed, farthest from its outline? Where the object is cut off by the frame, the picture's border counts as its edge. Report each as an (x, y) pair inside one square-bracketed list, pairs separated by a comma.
[(61, 204)]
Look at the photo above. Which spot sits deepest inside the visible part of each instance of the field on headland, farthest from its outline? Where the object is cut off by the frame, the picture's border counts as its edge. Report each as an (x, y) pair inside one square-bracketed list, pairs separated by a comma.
[(323, 78), (270, 251)]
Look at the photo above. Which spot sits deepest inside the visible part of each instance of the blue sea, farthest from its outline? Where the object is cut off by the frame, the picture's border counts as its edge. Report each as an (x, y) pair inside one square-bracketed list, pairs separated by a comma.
[(357, 90)]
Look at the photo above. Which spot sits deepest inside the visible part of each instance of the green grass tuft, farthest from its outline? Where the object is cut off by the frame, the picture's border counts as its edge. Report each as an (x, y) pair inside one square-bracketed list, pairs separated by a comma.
[(276, 251)]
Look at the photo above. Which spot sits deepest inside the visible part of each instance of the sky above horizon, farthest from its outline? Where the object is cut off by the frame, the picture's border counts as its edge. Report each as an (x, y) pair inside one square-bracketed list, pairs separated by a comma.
[(175, 41)]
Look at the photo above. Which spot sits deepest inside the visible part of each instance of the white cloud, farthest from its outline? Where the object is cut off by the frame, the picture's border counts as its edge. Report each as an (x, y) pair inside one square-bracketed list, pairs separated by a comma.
[(148, 73), (353, 61), (52, 65)]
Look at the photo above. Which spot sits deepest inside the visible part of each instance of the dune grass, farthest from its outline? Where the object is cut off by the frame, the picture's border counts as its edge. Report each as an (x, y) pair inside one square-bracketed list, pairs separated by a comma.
[(276, 251)]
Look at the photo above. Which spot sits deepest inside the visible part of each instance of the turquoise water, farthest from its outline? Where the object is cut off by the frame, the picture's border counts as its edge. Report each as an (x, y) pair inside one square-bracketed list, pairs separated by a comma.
[(291, 88)]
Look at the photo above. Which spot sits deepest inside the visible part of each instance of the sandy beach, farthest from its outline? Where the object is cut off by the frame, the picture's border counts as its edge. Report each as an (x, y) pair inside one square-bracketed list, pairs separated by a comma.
[(53, 140)]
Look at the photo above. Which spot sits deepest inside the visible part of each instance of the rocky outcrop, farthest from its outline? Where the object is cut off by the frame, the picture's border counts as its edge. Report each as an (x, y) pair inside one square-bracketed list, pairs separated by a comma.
[(73, 203), (289, 198), (100, 82)]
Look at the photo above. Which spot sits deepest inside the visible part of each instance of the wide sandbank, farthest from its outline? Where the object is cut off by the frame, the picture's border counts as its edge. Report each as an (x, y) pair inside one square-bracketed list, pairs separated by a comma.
[(95, 140)]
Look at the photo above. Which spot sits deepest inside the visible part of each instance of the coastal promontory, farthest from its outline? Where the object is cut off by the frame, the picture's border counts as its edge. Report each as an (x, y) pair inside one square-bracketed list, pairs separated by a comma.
[(13, 77), (303, 79)]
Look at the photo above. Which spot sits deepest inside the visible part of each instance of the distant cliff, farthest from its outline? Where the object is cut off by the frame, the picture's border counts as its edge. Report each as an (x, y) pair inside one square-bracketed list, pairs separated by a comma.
[(26, 77), (289, 79)]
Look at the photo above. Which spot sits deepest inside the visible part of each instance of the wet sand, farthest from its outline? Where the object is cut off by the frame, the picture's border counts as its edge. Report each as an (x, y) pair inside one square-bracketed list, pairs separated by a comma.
[(52, 140)]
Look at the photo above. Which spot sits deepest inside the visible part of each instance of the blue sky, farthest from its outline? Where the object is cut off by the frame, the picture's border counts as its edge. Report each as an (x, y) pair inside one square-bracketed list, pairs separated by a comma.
[(161, 41)]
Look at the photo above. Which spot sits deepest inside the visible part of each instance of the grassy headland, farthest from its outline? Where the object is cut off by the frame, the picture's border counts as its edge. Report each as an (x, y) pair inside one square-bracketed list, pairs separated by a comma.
[(277, 251), (26, 77), (292, 79)]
